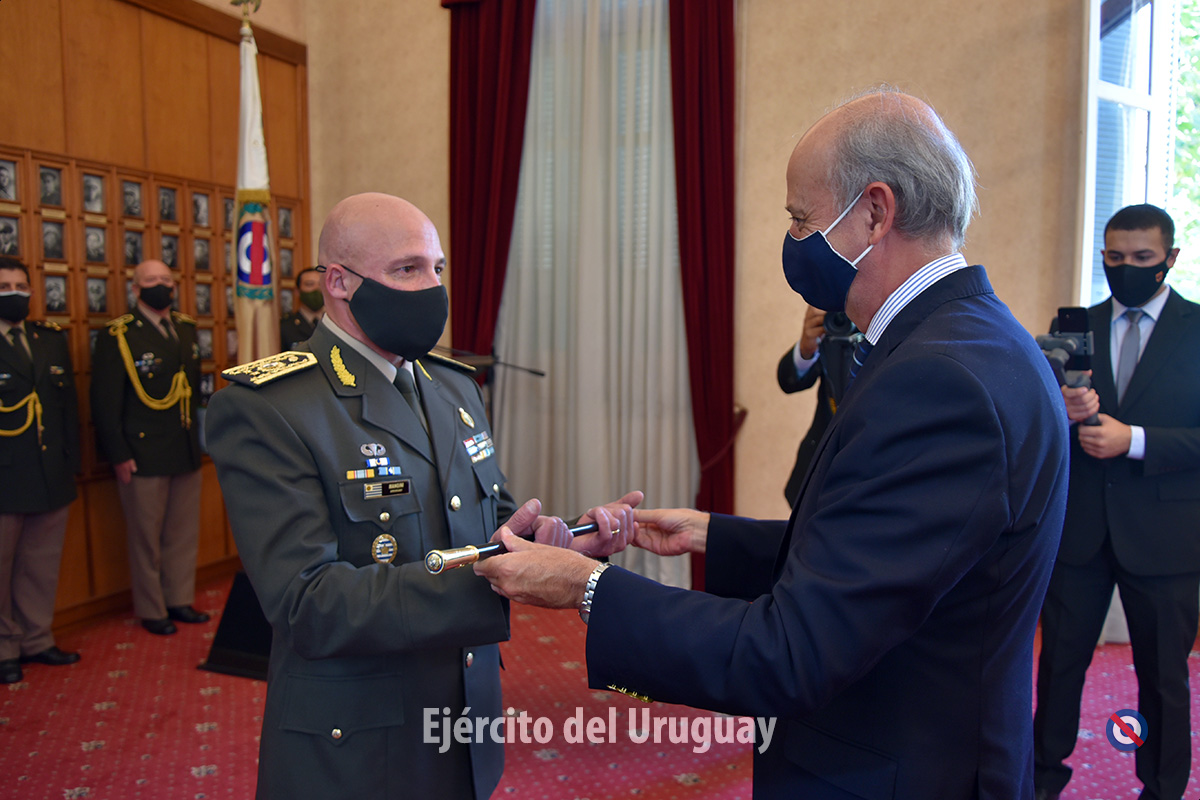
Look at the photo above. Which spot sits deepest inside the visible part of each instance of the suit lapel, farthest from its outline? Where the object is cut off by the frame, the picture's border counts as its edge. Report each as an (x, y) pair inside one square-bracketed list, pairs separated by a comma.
[(442, 413), (13, 360), (382, 404), (1100, 320), (1168, 330)]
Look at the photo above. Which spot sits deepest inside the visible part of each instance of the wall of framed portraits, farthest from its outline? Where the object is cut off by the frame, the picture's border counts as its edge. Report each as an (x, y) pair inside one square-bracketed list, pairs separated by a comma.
[(119, 143)]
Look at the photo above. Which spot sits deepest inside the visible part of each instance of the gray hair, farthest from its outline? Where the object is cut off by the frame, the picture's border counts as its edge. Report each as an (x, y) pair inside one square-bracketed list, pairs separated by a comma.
[(913, 153)]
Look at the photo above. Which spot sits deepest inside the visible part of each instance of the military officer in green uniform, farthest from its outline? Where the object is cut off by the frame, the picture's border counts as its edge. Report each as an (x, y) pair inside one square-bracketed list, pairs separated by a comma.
[(342, 463), (39, 456), (145, 371), (297, 326)]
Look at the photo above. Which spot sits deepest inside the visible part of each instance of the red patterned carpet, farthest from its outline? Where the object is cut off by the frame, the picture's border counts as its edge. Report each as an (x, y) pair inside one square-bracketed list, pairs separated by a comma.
[(136, 719)]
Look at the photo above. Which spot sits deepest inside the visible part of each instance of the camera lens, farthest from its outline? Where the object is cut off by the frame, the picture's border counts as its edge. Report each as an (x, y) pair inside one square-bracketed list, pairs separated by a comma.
[(838, 324)]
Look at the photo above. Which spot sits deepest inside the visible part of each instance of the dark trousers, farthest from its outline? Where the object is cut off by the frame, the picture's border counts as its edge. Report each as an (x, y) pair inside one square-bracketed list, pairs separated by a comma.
[(1162, 613)]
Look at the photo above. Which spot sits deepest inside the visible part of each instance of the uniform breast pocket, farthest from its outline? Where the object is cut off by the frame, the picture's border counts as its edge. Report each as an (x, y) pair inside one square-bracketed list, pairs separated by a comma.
[(491, 480), (388, 517)]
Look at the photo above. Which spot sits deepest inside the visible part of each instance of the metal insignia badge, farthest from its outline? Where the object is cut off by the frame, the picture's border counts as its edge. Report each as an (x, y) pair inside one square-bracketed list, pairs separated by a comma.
[(373, 449), (467, 418), (55, 370), (383, 549)]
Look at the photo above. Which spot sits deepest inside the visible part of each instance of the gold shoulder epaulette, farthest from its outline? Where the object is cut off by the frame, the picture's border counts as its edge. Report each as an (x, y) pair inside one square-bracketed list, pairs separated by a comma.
[(124, 319), (450, 362), (265, 370), (179, 317)]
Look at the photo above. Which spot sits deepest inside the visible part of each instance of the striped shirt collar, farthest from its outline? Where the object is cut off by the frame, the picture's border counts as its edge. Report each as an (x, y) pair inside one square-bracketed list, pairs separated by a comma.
[(918, 282)]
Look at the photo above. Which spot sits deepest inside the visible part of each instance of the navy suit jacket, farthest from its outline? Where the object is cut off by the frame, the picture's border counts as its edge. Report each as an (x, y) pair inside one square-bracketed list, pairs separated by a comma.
[(891, 620), (1149, 507)]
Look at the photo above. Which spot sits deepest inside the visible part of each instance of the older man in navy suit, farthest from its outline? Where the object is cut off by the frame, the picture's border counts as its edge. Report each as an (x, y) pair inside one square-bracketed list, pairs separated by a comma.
[(889, 624)]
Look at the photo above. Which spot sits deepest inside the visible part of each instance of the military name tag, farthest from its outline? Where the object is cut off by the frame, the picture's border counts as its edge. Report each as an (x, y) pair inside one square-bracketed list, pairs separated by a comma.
[(383, 549), (372, 491)]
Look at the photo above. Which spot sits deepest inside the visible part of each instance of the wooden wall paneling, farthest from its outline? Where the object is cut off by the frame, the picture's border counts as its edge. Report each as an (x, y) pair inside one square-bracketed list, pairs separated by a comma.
[(102, 68), (32, 61), (281, 124), (175, 92), (106, 538), (213, 546), (74, 583), (224, 69)]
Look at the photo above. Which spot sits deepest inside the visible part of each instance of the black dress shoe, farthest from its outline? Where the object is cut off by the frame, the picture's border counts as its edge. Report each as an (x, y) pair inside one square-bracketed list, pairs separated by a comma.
[(161, 627), (10, 671), (186, 614), (52, 656)]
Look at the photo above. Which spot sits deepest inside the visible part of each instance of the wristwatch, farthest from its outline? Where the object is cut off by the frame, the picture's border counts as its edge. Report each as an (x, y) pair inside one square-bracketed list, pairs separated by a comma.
[(585, 608)]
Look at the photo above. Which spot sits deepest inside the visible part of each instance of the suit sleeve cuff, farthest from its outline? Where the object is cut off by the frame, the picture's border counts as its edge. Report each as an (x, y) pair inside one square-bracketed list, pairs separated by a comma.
[(803, 364)]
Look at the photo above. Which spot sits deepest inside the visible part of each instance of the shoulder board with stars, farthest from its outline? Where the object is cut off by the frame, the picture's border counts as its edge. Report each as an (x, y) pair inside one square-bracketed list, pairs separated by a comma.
[(178, 317), (124, 319), (449, 362), (45, 323), (265, 370)]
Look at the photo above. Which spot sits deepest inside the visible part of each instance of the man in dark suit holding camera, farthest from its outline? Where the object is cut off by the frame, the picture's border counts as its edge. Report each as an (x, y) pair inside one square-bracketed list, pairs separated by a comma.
[(1132, 510)]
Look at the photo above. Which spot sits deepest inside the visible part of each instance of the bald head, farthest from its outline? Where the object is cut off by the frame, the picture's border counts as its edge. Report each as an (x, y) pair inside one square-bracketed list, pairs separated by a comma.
[(149, 273), (381, 238)]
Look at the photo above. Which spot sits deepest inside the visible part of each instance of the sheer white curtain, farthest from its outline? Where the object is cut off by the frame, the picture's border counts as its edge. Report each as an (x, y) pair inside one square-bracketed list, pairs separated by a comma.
[(592, 294)]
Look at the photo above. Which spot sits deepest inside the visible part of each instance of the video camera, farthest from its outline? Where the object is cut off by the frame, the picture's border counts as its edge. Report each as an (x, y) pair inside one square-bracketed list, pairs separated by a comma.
[(837, 352), (1069, 350)]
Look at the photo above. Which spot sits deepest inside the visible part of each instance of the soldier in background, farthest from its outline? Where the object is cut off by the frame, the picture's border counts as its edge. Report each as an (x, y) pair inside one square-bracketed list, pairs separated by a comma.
[(297, 326), (145, 369), (39, 454)]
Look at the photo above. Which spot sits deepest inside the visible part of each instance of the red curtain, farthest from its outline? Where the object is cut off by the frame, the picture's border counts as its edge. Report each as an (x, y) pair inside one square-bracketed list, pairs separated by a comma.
[(702, 81), (490, 42)]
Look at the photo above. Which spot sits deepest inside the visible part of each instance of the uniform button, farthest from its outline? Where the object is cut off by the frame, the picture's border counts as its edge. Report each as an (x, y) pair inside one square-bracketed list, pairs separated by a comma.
[(496, 488), (43, 447), (150, 375), (141, 434), (337, 733), (384, 516), (455, 503), (470, 659)]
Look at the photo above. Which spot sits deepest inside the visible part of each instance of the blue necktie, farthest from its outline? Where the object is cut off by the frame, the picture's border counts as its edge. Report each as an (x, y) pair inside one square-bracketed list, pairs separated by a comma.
[(860, 356)]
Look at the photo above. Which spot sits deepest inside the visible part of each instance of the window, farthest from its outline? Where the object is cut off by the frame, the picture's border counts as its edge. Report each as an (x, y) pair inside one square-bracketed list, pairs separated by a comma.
[(1132, 72)]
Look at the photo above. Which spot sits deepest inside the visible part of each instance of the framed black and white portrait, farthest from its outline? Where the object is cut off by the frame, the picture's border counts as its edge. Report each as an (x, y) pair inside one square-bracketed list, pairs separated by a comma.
[(50, 180), (93, 193), (10, 236), (207, 387), (204, 299), (285, 262), (204, 342), (229, 301), (285, 223), (130, 297), (97, 295), (229, 208), (229, 258), (200, 254), (131, 198), (92, 334), (56, 294), (52, 240), (200, 210), (170, 250), (8, 180), (133, 248), (166, 205), (287, 303), (95, 241)]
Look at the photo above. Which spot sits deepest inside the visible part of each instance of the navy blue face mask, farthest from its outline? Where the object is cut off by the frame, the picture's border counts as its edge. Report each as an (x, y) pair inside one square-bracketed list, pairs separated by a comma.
[(1132, 285), (817, 272)]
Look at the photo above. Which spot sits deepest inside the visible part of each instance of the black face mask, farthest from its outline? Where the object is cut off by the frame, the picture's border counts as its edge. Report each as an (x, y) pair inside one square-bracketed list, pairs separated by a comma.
[(157, 297), (312, 300), (14, 306), (408, 324), (1132, 285)]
